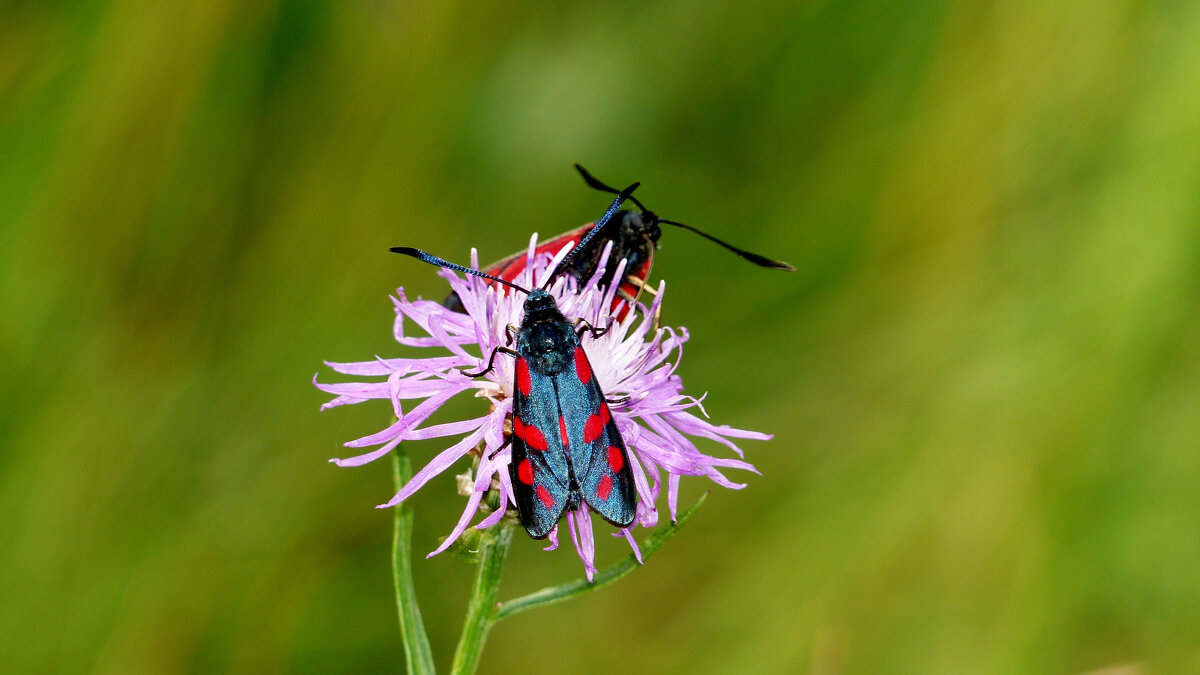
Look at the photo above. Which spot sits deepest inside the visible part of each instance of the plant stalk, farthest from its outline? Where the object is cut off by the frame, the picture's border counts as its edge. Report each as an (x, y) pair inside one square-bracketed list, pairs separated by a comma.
[(417, 654), (493, 549)]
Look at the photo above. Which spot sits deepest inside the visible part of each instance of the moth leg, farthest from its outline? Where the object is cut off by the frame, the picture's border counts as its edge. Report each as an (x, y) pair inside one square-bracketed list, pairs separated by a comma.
[(582, 326), (642, 286), (492, 361), (619, 400), (505, 444), (510, 331), (631, 299)]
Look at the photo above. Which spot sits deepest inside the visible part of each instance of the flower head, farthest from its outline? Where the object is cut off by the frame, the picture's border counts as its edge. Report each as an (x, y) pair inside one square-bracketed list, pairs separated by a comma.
[(634, 362)]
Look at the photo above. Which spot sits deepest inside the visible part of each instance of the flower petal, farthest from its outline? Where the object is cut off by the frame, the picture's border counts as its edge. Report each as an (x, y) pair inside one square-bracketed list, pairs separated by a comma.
[(419, 414), (673, 496), (579, 522), (370, 456), (553, 537), (447, 429), (472, 505), (494, 517), (637, 552), (389, 366), (444, 460), (342, 400)]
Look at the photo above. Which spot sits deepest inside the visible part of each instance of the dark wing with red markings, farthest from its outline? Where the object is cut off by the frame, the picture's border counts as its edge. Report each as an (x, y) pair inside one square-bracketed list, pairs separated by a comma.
[(637, 249), (540, 469), (597, 452), (508, 268), (637, 271)]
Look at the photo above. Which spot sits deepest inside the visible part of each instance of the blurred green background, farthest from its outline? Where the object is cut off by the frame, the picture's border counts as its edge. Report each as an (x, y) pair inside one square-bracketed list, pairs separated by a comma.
[(983, 377)]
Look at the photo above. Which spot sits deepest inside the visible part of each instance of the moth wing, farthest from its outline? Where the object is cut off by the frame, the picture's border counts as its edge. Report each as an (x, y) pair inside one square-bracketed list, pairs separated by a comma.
[(631, 287), (509, 267), (539, 468), (597, 451)]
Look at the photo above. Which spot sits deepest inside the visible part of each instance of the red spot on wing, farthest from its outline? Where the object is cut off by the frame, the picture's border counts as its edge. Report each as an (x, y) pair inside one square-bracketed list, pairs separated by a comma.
[(534, 438), (604, 414), (616, 459), (523, 376), (544, 495), (562, 431), (525, 472), (582, 368), (605, 487), (591, 431), (518, 428)]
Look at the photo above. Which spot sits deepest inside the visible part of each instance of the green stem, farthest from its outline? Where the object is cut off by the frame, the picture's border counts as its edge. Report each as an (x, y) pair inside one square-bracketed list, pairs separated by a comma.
[(553, 594), (417, 654), (493, 549)]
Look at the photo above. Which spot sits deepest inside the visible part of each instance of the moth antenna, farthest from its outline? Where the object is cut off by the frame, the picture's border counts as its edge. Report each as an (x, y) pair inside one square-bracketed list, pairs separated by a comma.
[(612, 211), (597, 184), (438, 262), (762, 261), (755, 258)]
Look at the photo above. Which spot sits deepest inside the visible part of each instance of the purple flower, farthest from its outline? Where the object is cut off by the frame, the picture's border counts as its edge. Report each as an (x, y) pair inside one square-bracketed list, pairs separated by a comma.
[(631, 360)]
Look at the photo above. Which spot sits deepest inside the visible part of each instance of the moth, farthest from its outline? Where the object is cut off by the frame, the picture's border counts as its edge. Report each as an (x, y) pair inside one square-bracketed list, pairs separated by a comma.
[(634, 235), (566, 448)]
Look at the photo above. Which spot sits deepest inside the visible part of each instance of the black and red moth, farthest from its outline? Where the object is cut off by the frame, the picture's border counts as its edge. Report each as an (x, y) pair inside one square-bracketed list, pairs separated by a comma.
[(634, 236), (565, 444)]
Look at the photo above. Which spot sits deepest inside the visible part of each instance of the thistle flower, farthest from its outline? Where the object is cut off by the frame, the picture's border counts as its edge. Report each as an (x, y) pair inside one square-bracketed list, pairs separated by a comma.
[(633, 362)]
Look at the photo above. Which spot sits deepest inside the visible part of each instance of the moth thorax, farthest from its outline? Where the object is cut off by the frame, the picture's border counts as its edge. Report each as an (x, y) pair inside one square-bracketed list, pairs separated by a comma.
[(637, 226), (548, 344)]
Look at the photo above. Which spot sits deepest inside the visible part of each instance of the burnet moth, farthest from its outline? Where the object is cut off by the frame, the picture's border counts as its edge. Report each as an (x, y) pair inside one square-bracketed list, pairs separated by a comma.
[(565, 444), (635, 237)]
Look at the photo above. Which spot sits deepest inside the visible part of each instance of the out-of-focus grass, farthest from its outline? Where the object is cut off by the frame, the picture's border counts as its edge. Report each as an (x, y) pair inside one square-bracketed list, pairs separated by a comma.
[(983, 377)]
